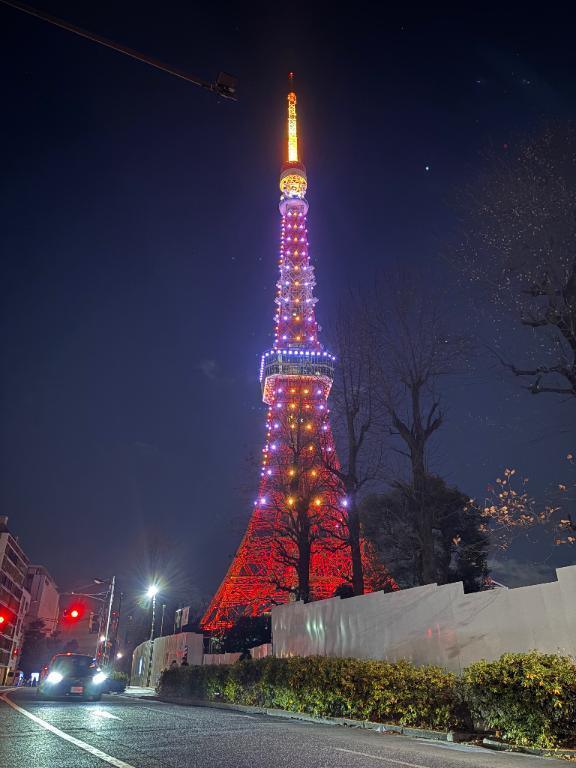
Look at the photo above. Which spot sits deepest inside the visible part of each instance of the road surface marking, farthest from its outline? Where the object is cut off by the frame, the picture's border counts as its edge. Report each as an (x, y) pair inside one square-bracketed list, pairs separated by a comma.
[(378, 757), (66, 736), (104, 713), (454, 746)]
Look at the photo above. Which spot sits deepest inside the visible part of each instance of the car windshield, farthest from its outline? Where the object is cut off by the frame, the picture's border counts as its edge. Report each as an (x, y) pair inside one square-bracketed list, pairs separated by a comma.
[(73, 665)]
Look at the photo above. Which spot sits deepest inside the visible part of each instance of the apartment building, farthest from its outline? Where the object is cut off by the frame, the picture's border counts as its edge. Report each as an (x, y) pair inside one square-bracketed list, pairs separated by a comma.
[(14, 601)]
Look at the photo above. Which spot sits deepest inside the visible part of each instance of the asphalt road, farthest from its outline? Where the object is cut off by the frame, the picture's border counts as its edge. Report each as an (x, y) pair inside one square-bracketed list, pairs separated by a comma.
[(127, 732)]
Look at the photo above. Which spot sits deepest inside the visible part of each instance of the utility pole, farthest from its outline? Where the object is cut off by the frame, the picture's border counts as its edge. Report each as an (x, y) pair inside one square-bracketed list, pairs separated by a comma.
[(106, 633), (114, 643), (103, 638), (152, 592)]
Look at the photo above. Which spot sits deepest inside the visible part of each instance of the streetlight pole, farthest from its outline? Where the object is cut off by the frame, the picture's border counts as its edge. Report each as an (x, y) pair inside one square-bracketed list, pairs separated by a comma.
[(152, 592), (103, 638), (112, 585), (153, 617)]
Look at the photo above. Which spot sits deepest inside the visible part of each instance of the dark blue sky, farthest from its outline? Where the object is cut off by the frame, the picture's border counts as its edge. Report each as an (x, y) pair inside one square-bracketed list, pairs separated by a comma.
[(139, 240)]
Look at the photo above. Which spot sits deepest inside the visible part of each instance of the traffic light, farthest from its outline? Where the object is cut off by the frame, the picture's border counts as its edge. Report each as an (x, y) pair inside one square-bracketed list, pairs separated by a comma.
[(73, 613), (6, 618)]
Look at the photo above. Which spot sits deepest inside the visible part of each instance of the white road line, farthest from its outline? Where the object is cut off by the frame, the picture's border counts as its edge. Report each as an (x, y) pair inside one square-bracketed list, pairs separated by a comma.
[(378, 757), (104, 713), (453, 746), (66, 736)]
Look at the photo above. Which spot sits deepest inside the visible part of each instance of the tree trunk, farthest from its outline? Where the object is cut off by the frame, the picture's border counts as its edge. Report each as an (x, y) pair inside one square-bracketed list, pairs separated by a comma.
[(428, 560), (304, 557), (304, 574), (355, 550), (425, 522)]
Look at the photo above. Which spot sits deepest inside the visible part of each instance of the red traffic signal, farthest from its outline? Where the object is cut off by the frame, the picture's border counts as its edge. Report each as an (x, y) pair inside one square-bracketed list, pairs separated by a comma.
[(72, 613), (6, 618)]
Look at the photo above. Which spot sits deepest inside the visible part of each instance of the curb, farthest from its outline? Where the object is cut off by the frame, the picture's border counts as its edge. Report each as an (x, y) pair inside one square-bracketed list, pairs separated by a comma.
[(500, 746), (420, 733)]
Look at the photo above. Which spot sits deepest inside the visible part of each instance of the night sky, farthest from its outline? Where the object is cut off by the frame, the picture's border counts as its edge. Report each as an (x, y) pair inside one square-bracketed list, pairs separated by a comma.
[(139, 240)]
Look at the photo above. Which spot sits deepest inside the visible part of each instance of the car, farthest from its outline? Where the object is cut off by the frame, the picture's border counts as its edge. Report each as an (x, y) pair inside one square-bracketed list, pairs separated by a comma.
[(72, 675)]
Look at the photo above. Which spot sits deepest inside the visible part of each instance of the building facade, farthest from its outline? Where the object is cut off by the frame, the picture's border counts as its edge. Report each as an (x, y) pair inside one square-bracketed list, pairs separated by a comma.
[(14, 601), (44, 597)]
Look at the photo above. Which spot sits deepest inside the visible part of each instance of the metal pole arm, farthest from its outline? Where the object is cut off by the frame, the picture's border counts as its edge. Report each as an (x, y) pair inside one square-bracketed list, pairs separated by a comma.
[(224, 86)]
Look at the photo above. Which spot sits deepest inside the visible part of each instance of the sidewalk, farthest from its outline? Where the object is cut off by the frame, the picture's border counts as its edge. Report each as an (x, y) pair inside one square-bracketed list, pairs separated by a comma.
[(138, 693)]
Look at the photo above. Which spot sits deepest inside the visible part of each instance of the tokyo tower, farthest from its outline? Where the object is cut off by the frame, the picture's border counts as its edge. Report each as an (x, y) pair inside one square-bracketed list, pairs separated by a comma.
[(294, 546)]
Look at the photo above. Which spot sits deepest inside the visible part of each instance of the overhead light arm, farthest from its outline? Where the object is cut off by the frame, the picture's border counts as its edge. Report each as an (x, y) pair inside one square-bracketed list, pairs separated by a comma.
[(225, 84)]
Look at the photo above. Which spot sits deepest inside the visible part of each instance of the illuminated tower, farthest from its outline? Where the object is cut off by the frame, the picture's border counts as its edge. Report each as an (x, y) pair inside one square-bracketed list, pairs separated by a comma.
[(299, 498)]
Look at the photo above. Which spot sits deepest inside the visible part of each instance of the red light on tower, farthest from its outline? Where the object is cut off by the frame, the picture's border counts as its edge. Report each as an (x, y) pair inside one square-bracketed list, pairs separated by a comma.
[(74, 613), (2, 619)]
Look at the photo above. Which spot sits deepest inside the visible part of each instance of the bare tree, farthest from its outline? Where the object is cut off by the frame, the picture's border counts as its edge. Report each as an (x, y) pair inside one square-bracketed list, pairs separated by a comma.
[(519, 245), (358, 423), (414, 349), (301, 494)]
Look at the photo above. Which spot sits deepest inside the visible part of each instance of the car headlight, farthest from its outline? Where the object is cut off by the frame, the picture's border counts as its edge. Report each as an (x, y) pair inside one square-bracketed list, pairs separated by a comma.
[(99, 677), (54, 677)]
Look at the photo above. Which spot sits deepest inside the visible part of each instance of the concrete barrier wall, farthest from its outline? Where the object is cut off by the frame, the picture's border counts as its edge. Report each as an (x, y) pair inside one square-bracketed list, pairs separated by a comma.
[(166, 650), (261, 651), (220, 658), (433, 624)]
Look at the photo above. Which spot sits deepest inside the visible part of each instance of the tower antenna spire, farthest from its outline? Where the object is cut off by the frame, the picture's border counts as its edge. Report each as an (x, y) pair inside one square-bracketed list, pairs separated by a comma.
[(292, 122)]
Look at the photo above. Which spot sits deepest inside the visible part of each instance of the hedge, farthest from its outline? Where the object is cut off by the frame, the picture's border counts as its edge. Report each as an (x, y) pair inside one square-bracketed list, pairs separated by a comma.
[(330, 687), (526, 698)]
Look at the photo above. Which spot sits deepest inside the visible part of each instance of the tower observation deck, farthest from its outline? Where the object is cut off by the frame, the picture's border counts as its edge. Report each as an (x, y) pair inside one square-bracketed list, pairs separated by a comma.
[(297, 489)]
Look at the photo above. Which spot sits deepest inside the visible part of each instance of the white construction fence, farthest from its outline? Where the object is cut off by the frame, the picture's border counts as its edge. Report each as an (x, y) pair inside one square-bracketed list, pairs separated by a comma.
[(165, 651), (172, 648), (433, 624)]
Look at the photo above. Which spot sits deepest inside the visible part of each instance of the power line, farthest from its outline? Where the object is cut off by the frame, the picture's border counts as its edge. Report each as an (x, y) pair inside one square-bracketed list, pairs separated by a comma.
[(225, 84)]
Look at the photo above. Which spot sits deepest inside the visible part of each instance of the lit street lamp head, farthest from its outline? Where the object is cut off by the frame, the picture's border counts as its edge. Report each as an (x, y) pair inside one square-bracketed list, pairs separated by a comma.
[(152, 591)]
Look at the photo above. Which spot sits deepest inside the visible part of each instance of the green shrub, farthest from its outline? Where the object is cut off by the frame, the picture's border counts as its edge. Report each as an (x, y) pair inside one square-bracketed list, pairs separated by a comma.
[(120, 676), (327, 687), (528, 698)]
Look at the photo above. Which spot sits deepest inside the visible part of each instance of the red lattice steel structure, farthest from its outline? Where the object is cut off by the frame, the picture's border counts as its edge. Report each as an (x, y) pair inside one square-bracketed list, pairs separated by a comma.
[(296, 487)]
